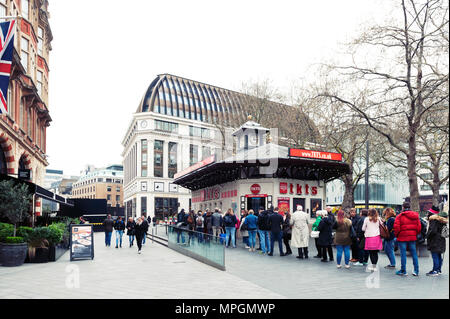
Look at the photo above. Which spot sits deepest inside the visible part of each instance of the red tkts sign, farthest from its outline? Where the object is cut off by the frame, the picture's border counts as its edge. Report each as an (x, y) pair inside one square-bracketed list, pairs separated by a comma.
[(295, 152), (255, 188)]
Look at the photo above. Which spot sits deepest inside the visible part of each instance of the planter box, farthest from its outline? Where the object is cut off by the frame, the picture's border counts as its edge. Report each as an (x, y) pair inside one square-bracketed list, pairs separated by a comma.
[(12, 255), (37, 255), (55, 252)]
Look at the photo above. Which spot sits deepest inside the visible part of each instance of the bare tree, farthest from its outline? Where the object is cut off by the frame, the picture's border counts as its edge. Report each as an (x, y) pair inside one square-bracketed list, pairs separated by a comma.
[(406, 77)]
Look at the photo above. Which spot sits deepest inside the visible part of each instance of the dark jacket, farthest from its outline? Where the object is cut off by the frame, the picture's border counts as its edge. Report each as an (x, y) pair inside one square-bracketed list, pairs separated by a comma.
[(325, 228), (435, 242), (130, 227), (207, 223), (251, 221), (287, 228), (108, 225), (139, 230), (217, 219), (229, 221), (358, 229), (264, 220), (390, 227), (407, 226), (355, 220), (119, 225), (145, 225), (276, 222), (181, 217)]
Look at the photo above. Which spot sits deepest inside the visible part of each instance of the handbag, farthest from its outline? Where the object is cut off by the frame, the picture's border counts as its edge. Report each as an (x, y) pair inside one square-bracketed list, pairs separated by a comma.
[(444, 231), (384, 232), (315, 234), (362, 243)]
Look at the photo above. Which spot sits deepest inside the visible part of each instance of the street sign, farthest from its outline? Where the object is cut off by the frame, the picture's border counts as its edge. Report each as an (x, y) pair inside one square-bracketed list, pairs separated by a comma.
[(24, 174), (81, 242)]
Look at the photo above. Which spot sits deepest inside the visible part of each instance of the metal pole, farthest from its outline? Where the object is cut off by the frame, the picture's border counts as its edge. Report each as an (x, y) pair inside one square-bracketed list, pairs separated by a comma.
[(367, 176), (10, 17)]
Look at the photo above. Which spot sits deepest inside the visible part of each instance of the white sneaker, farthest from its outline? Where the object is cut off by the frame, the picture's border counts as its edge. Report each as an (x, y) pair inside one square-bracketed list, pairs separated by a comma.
[(139, 252), (369, 268), (347, 266), (339, 266)]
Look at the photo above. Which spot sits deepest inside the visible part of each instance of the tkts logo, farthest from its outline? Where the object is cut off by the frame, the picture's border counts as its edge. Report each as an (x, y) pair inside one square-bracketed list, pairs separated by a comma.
[(297, 189), (210, 194)]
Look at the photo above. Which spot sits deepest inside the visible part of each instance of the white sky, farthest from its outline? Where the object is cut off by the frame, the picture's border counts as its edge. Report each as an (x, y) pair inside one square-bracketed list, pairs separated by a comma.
[(106, 53)]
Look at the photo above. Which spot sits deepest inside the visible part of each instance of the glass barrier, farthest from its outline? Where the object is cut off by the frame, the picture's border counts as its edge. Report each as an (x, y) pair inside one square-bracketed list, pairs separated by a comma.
[(203, 247)]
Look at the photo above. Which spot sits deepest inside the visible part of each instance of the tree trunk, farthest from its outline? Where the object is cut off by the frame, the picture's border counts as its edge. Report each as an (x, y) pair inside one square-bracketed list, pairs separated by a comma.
[(436, 185), (412, 177), (349, 197)]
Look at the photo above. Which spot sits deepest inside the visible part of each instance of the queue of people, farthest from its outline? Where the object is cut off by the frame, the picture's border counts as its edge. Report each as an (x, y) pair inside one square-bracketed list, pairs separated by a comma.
[(358, 238)]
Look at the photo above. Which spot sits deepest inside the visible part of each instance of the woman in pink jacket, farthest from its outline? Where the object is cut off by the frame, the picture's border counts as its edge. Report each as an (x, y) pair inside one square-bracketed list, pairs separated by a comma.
[(373, 242)]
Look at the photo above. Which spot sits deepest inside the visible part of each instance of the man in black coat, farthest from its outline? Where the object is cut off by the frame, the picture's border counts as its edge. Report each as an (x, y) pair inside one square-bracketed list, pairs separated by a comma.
[(326, 238), (355, 219), (276, 233), (145, 227), (108, 225), (363, 254)]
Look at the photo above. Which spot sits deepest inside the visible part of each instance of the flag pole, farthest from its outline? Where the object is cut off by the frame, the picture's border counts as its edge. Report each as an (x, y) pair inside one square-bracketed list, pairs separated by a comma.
[(10, 17)]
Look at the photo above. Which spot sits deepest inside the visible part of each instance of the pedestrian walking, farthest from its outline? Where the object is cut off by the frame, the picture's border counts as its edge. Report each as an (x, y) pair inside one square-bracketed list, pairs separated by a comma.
[(108, 225), (361, 240), (389, 243), (276, 234), (300, 222), (325, 237), (82, 220), (119, 227), (287, 232), (354, 217), (145, 226), (343, 238), (139, 231), (406, 228), (229, 221), (436, 239), (130, 230), (251, 221), (373, 243), (243, 230), (319, 215)]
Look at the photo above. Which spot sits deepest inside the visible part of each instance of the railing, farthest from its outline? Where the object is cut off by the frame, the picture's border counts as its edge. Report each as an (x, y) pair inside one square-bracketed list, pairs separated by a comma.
[(203, 247)]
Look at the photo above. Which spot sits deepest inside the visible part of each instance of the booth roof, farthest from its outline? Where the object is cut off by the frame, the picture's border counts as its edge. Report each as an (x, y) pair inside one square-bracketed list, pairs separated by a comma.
[(254, 163)]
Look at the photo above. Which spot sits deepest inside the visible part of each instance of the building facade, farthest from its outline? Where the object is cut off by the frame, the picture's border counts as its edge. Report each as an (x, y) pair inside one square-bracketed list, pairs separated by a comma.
[(178, 123), (23, 128), (103, 183)]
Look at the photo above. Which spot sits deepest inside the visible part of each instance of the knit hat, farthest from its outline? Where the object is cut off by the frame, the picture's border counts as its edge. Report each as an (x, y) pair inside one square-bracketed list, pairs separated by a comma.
[(434, 210)]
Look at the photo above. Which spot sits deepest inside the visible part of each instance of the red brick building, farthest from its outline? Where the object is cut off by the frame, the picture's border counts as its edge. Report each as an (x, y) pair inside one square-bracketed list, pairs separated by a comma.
[(23, 129)]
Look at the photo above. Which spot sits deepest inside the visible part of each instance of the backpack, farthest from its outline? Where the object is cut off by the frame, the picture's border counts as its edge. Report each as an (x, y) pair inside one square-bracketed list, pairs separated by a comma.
[(423, 231), (199, 221), (227, 220), (263, 221), (190, 220)]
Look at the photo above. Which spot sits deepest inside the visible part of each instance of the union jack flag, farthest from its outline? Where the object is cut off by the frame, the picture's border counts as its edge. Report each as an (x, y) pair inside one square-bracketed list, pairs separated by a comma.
[(7, 30)]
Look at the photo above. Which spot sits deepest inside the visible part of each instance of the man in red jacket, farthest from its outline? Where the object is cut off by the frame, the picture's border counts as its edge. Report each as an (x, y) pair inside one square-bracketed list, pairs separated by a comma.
[(406, 227)]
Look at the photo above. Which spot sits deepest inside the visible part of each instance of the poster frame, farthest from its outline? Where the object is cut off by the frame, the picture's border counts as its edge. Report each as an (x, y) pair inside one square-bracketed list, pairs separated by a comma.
[(72, 255)]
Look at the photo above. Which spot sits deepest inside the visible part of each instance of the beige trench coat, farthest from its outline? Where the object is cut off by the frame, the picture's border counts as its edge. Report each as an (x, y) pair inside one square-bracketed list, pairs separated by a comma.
[(300, 229)]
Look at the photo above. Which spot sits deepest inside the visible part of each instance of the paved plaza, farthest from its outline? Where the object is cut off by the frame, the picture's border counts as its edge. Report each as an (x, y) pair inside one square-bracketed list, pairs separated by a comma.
[(160, 272)]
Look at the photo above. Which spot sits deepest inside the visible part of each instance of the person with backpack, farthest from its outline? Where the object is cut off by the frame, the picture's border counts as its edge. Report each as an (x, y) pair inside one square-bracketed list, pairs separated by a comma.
[(407, 226), (199, 226), (263, 231), (436, 239), (217, 222), (229, 221), (389, 243), (119, 227)]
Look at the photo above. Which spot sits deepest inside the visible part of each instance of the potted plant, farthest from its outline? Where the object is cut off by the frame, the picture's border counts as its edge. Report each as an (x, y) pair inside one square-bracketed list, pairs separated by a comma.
[(14, 206), (58, 233)]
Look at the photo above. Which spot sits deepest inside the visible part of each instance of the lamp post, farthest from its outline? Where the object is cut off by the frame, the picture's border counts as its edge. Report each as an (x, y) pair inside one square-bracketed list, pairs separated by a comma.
[(367, 176)]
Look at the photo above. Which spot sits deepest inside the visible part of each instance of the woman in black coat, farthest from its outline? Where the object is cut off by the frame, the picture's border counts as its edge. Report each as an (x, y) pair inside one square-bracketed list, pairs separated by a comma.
[(130, 230), (139, 231), (435, 242), (326, 238)]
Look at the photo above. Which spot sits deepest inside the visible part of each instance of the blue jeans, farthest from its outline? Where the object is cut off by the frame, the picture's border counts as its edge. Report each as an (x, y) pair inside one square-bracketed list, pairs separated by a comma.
[(276, 237), (180, 233), (437, 261), (264, 240), (346, 250), (252, 238), (412, 249), (119, 234), (389, 249), (108, 235), (143, 238), (199, 234), (131, 239), (230, 231)]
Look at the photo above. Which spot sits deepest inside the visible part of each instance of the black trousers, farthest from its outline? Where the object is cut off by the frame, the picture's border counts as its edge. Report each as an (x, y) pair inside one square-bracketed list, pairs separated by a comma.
[(286, 238), (328, 249), (139, 241), (303, 252), (319, 250), (355, 250), (373, 256)]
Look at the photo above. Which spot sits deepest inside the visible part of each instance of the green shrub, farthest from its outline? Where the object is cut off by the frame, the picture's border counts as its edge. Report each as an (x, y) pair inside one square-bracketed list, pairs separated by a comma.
[(55, 234), (14, 240), (6, 230), (25, 232), (39, 237)]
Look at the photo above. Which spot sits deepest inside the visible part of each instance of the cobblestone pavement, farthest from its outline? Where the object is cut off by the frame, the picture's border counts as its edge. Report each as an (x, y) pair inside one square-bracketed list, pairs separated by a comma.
[(160, 272)]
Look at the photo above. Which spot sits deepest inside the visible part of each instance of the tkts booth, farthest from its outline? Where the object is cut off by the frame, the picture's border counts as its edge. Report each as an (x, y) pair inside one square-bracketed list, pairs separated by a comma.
[(262, 174)]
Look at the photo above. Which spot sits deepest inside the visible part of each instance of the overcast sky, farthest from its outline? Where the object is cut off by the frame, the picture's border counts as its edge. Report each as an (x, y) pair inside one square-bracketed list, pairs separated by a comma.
[(106, 53)]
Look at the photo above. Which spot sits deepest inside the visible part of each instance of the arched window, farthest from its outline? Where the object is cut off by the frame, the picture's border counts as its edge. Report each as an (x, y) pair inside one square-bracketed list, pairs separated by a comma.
[(3, 167), (22, 164)]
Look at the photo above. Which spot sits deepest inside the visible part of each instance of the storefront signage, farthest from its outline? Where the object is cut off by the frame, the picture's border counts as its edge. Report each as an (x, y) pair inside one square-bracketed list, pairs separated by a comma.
[(297, 189), (255, 188), (295, 152), (283, 205), (213, 194), (81, 242), (196, 166), (24, 174)]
